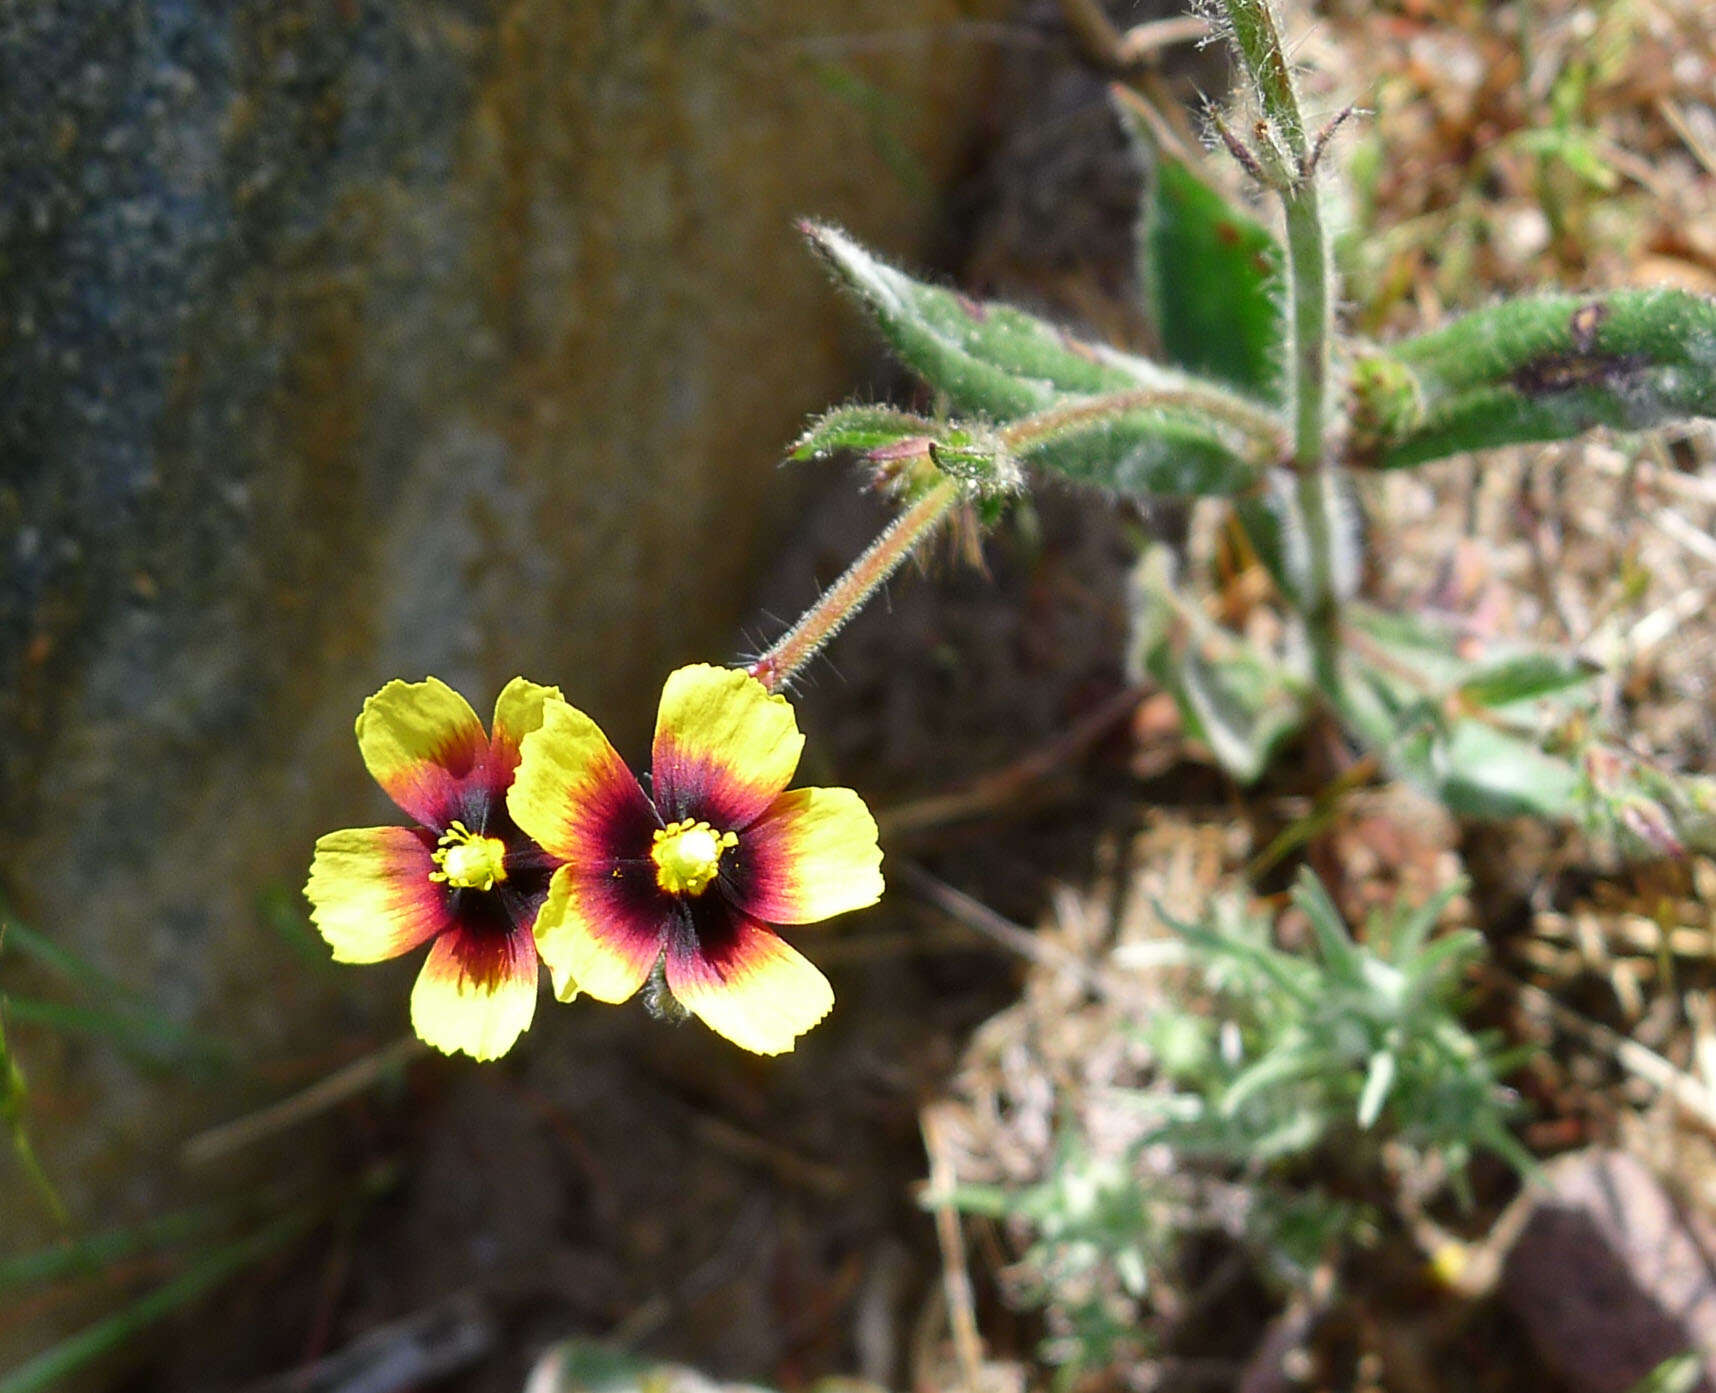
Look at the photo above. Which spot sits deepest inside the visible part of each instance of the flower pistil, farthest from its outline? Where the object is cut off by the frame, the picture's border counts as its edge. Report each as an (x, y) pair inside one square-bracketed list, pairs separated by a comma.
[(467, 860), (687, 855)]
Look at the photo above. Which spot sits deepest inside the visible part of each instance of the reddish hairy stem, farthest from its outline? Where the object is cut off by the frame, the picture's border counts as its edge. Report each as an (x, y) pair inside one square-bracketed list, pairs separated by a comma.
[(847, 595)]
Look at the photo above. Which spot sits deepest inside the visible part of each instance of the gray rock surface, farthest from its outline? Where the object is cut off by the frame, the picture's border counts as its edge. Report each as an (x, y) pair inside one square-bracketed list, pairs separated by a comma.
[(349, 340)]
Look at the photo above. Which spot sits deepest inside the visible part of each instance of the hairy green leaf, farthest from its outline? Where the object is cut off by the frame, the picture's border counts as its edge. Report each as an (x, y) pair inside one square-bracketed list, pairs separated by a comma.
[(1536, 369), (858, 429), (1211, 275), (997, 361), (1477, 768)]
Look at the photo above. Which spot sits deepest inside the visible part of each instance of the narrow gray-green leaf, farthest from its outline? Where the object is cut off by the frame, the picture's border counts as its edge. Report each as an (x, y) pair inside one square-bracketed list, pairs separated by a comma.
[(1378, 1079), (113, 1332), (93, 1252), (1340, 955)]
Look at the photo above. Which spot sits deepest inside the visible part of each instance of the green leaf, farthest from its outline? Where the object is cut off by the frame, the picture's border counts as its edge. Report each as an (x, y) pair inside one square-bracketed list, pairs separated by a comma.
[(985, 356), (1537, 369), (1289, 974), (1162, 451), (14, 1098), (1446, 957), (1235, 699), (858, 429), (1408, 929), (1275, 1069), (1430, 650), (1475, 768), (1479, 771), (1340, 954), (146, 1036), (997, 361), (62, 962), (1378, 1079), (1526, 677), (1240, 706), (1211, 275)]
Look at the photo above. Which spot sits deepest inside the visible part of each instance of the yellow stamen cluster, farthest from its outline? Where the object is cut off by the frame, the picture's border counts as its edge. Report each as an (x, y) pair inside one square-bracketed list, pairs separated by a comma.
[(468, 860), (687, 856)]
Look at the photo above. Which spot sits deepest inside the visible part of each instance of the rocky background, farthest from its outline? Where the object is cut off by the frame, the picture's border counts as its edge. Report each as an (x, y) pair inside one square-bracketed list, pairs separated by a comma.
[(349, 340)]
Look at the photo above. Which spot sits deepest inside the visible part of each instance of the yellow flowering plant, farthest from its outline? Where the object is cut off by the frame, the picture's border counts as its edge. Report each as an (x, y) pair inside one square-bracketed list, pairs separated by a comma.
[(538, 844), (465, 879), (692, 878)]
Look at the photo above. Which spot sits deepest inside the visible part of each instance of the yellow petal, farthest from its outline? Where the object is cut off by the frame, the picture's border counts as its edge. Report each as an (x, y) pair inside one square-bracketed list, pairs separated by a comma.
[(812, 855), (370, 893), (518, 711), (575, 796), (754, 989), (418, 740), (724, 746), (476, 993), (600, 933)]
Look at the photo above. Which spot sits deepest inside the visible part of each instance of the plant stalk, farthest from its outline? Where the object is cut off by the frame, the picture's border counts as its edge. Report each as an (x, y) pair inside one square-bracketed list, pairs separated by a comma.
[(1252, 25), (1258, 427), (775, 668)]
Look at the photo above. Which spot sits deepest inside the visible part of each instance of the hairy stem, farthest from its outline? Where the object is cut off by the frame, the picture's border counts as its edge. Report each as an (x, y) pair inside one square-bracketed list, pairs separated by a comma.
[(775, 668), (1258, 427), (1259, 44)]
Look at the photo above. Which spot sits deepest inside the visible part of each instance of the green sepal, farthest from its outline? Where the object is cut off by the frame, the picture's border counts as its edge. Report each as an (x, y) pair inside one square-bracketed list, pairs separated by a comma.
[(858, 429), (975, 455), (1537, 369)]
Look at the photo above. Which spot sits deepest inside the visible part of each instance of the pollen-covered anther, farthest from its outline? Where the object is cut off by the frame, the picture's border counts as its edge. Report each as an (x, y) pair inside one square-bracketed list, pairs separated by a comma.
[(468, 860), (687, 856)]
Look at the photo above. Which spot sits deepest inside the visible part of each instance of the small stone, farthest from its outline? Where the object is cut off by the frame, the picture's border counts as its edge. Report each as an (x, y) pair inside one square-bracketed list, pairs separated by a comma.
[(1610, 1277)]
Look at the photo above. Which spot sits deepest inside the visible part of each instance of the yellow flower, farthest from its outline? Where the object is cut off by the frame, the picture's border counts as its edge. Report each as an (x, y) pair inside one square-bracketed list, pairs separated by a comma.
[(692, 878), (464, 877)]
